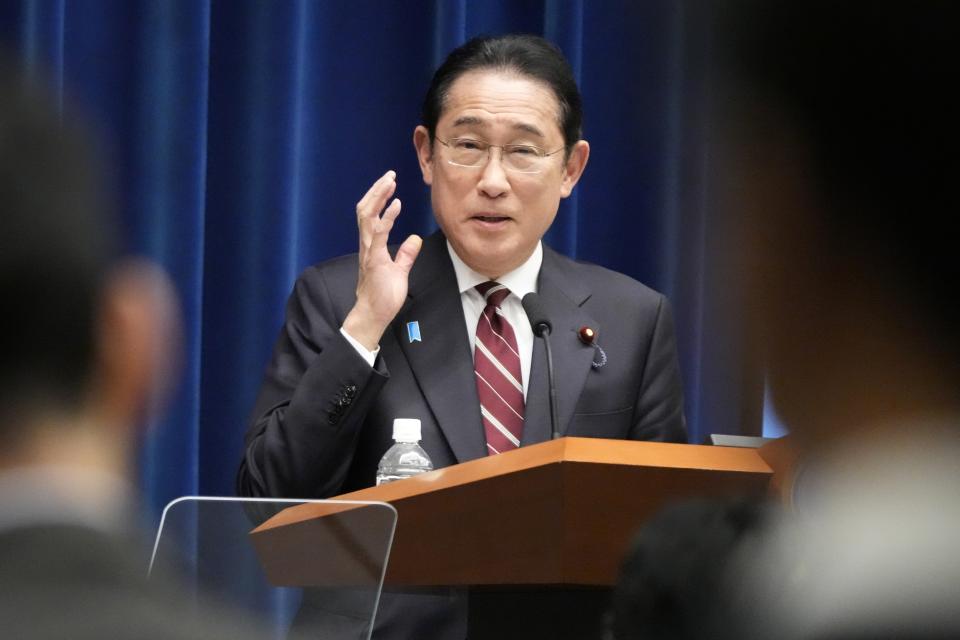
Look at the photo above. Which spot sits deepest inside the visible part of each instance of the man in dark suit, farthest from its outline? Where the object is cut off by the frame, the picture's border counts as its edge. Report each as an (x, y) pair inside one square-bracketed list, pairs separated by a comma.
[(82, 348), (400, 334)]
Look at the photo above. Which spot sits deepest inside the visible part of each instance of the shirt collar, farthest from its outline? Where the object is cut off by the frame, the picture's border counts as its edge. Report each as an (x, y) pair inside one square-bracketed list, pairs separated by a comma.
[(520, 281)]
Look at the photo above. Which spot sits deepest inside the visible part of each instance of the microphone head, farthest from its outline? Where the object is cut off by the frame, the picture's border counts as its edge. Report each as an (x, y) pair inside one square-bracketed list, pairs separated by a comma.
[(536, 314)]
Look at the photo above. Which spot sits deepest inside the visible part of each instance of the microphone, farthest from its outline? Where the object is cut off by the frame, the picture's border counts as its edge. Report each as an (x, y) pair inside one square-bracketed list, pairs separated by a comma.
[(537, 315), (542, 327)]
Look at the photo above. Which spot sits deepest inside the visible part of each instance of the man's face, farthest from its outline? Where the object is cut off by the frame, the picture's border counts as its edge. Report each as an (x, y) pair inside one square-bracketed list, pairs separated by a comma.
[(493, 216)]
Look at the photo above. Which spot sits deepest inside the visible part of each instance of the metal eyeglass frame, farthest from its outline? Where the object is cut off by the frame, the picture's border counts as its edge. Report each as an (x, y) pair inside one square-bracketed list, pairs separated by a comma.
[(486, 146)]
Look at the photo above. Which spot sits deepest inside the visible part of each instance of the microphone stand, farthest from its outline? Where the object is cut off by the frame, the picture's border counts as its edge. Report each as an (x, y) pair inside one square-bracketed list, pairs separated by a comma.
[(543, 330)]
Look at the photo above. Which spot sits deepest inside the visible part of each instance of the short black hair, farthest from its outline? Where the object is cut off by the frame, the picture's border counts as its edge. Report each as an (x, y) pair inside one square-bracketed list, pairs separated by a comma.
[(55, 245), (524, 54), (869, 85)]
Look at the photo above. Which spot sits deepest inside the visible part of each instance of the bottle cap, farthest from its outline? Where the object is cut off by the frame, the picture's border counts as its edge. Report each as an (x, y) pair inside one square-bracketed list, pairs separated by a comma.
[(406, 430)]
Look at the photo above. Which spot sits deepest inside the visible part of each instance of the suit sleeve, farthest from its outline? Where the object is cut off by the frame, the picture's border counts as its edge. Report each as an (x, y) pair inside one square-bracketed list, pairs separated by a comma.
[(316, 393), (659, 410)]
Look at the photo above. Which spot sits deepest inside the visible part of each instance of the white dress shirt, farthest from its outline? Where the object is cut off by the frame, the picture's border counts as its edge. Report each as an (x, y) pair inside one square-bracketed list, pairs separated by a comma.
[(520, 282)]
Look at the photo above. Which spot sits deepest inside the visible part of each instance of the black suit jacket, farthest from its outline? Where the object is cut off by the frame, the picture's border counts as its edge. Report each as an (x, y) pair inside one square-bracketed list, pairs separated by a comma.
[(324, 417)]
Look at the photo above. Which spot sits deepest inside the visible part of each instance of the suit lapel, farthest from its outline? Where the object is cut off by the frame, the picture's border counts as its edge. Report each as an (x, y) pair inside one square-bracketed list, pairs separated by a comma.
[(441, 361), (562, 295)]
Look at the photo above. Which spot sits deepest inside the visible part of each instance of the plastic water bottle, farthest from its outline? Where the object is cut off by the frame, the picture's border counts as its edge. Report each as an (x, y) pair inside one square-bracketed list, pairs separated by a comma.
[(406, 457)]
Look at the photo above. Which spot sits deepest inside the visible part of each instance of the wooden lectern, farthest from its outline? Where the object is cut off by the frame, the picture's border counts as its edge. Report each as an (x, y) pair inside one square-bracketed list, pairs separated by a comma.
[(556, 516)]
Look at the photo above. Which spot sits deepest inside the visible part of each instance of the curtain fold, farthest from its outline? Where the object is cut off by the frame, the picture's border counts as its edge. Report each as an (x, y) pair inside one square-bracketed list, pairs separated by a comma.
[(244, 132)]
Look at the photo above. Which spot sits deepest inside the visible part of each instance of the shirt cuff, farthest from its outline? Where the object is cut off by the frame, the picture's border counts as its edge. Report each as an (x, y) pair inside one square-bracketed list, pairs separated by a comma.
[(369, 356)]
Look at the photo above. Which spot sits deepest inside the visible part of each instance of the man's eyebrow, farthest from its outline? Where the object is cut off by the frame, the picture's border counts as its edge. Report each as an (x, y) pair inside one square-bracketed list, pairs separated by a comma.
[(471, 120), (478, 122), (529, 128)]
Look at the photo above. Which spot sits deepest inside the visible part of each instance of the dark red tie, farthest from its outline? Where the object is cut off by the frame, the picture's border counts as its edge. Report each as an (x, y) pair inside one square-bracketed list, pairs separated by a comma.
[(497, 367)]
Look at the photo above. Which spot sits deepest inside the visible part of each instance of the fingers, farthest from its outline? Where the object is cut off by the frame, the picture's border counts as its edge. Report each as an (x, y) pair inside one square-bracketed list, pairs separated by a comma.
[(372, 203), (408, 252), (381, 228), (376, 196), (375, 228), (392, 212)]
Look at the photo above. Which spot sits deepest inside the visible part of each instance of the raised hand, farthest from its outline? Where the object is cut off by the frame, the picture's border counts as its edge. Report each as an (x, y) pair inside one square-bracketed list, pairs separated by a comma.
[(382, 283)]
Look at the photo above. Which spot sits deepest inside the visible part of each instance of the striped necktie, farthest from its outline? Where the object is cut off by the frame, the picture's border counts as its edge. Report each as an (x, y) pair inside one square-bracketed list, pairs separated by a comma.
[(497, 367)]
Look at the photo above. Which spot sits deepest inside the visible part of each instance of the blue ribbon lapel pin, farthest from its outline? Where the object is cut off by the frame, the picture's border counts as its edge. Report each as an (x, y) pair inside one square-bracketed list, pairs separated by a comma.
[(413, 332)]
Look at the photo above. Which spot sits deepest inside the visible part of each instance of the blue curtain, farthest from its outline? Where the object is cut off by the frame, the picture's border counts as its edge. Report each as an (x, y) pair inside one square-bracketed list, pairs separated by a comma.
[(243, 132)]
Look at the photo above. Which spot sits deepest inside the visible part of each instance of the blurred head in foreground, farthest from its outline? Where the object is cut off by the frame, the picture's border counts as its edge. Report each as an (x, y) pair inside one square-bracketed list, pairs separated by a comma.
[(841, 122), (84, 345), (672, 583), (84, 338), (841, 128)]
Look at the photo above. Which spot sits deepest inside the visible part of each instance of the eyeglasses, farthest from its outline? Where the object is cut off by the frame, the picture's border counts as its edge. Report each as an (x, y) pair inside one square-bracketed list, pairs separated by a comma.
[(520, 158)]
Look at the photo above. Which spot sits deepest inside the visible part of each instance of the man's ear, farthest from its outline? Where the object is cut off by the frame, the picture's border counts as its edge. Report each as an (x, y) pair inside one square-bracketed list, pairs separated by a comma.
[(421, 142), (138, 346), (573, 169)]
